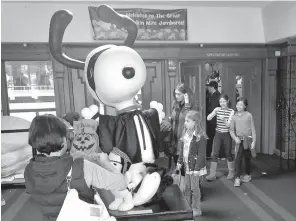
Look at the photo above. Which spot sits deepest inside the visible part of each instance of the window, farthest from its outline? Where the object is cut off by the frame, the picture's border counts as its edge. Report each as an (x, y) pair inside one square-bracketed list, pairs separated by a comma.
[(30, 88)]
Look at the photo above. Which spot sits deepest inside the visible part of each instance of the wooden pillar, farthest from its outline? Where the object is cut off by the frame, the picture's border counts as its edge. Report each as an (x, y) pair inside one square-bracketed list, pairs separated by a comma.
[(4, 91), (172, 77), (269, 106), (62, 89)]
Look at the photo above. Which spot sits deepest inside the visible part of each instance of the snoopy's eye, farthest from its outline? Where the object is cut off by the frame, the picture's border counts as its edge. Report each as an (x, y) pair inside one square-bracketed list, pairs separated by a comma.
[(128, 72)]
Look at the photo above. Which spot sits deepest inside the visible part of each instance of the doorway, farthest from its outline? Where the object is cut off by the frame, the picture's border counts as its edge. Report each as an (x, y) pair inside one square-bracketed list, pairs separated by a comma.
[(235, 78)]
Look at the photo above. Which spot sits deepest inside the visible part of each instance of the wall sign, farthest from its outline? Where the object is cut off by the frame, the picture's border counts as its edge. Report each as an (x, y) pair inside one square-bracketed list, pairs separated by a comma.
[(153, 24), (229, 54), (172, 65)]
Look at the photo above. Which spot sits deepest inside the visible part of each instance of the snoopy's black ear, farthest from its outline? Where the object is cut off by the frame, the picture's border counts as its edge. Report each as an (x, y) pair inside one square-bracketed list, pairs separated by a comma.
[(58, 24)]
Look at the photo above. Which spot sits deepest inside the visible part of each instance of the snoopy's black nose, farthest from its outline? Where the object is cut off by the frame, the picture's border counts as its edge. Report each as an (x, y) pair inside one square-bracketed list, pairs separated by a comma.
[(128, 72)]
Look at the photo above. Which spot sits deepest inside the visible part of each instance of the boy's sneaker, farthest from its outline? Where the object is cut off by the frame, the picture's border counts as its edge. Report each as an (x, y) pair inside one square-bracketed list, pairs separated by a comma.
[(246, 178), (237, 182), (197, 212)]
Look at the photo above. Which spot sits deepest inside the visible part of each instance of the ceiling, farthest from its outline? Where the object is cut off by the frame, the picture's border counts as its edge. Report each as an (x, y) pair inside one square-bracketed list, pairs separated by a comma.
[(240, 4)]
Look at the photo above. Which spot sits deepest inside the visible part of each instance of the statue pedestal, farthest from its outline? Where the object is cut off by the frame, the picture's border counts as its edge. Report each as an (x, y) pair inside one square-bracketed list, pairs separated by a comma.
[(173, 206)]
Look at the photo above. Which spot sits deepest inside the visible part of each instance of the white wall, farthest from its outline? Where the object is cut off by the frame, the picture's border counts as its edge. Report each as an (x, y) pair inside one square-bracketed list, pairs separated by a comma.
[(29, 22), (279, 20)]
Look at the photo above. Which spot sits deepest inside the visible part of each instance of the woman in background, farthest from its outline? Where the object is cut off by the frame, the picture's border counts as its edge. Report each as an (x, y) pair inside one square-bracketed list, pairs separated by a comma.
[(183, 102)]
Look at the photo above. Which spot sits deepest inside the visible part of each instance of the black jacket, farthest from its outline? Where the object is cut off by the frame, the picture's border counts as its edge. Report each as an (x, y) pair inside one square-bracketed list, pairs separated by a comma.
[(213, 102), (197, 154), (120, 131)]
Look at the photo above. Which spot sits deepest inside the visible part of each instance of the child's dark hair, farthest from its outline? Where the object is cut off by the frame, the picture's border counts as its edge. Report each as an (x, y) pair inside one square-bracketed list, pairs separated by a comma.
[(244, 100), (196, 116), (225, 97), (47, 133)]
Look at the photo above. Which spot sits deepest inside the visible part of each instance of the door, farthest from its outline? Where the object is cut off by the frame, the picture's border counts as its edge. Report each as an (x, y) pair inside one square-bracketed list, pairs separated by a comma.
[(153, 88), (192, 74), (243, 79)]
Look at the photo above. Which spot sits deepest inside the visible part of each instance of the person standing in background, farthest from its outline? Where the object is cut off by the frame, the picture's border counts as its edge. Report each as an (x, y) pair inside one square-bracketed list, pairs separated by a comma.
[(183, 102), (222, 136), (212, 102), (242, 130)]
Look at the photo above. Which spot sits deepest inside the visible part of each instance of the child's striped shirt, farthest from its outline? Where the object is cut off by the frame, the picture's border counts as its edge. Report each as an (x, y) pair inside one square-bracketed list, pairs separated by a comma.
[(226, 114)]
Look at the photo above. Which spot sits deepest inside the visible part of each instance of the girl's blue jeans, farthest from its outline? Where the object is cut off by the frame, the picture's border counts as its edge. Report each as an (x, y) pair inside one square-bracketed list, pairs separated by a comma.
[(192, 191)]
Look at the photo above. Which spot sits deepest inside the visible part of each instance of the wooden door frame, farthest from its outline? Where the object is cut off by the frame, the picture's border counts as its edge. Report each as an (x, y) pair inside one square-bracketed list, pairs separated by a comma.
[(159, 67), (260, 63), (4, 91)]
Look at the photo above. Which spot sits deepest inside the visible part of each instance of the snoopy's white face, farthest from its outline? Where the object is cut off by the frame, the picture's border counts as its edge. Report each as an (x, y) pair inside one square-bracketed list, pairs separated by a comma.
[(119, 73)]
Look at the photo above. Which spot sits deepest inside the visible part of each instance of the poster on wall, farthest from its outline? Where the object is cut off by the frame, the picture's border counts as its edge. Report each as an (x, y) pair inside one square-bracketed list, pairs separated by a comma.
[(153, 24)]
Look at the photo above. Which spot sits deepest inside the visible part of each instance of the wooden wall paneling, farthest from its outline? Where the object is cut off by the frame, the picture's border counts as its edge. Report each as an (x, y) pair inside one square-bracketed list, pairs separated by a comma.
[(152, 90), (171, 77), (251, 72), (163, 86), (171, 80), (145, 52), (228, 75), (80, 93), (4, 91), (32, 52), (270, 148), (69, 76), (269, 106), (64, 89), (202, 86), (255, 99), (194, 75), (58, 77)]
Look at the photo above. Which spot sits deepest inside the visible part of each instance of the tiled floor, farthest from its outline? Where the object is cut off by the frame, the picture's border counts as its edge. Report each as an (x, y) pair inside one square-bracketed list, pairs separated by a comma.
[(271, 196)]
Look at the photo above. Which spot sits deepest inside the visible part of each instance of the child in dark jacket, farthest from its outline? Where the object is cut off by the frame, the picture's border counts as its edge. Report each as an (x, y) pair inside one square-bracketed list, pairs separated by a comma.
[(46, 173), (193, 157)]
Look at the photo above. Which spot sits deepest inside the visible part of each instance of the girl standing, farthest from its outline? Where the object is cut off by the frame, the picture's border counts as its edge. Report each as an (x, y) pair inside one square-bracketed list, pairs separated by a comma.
[(242, 131), (193, 158), (222, 136)]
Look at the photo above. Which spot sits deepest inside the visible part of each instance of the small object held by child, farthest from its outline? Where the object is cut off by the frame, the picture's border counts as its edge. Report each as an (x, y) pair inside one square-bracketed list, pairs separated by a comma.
[(193, 158)]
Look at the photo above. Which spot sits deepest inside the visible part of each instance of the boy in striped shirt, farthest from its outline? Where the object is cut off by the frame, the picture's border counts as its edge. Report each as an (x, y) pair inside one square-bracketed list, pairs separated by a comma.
[(222, 136)]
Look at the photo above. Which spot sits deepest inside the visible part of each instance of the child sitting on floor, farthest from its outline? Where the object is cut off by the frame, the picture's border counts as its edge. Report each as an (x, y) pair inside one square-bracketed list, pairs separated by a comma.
[(46, 173), (193, 157)]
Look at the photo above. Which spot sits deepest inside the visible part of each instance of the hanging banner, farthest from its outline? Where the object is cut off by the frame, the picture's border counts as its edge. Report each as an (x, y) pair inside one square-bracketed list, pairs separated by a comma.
[(153, 24)]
